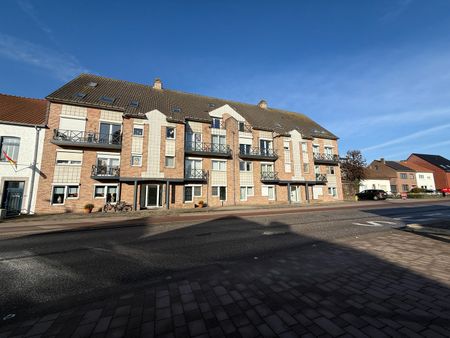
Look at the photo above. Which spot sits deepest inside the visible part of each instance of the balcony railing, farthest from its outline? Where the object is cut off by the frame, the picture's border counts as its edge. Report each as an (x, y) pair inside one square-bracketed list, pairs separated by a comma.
[(258, 154), (195, 175), (207, 149), (245, 127), (105, 172), (269, 176), (321, 178), (86, 139), (326, 158), (218, 124)]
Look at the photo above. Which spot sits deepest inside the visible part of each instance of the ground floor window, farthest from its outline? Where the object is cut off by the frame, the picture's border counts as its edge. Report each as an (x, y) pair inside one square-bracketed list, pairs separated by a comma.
[(191, 191), (332, 191), (246, 191), (405, 187), (218, 191), (268, 191), (108, 192), (62, 192), (394, 189)]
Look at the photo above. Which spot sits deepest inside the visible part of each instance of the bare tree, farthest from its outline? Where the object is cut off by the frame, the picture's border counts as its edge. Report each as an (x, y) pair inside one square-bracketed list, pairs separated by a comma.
[(353, 169)]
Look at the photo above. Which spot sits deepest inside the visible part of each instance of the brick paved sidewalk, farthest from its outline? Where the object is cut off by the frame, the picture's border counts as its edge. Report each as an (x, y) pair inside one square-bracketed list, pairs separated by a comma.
[(385, 284)]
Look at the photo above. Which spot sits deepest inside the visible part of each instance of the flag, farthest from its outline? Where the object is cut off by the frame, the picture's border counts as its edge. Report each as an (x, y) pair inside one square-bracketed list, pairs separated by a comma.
[(9, 159)]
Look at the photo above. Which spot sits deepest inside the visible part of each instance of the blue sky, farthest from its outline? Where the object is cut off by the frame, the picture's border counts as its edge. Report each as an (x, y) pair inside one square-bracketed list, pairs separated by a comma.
[(376, 73)]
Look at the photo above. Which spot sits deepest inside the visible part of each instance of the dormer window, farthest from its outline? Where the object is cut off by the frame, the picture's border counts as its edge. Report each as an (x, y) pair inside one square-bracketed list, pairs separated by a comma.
[(216, 122)]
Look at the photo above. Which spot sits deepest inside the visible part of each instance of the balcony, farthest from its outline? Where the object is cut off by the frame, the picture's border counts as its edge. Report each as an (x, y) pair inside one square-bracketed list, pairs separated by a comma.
[(269, 176), (195, 175), (87, 139), (207, 149), (321, 179), (258, 154), (326, 159), (100, 172)]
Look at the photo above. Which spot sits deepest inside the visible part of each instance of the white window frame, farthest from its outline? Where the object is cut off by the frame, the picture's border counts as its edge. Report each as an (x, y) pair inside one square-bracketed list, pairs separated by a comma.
[(247, 188), (174, 133), (106, 186), (245, 169), (65, 186), (220, 162), (140, 128), (218, 191), (268, 187), (192, 186), (140, 162)]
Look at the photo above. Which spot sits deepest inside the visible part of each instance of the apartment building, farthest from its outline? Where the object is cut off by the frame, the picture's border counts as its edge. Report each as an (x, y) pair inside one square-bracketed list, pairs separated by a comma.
[(440, 166), (113, 140), (22, 129), (401, 178), (424, 176)]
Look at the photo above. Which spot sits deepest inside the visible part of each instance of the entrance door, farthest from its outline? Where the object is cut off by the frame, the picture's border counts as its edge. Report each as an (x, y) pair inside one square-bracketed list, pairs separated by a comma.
[(12, 197), (295, 193), (153, 196)]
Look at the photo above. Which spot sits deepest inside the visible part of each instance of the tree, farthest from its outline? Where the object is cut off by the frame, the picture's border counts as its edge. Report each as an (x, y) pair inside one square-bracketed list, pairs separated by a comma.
[(353, 168)]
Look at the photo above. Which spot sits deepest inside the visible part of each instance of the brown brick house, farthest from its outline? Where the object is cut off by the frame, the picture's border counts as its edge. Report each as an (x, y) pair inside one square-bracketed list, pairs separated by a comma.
[(402, 178), (440, 166), (113, 140)]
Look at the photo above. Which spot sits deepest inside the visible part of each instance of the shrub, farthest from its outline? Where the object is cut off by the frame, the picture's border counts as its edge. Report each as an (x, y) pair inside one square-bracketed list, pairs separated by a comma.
[(89, 206), (417, 190)]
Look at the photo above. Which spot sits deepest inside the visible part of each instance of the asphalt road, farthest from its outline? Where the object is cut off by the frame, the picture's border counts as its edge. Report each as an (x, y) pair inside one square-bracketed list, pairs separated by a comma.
[(57, 269)]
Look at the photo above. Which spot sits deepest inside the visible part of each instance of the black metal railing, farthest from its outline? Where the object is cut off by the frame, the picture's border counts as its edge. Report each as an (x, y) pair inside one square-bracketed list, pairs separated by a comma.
[(106, 171), (321, 178), (86, 137), (258, 152), (326, 158), (195, 174), (214, 148), (269, 176)]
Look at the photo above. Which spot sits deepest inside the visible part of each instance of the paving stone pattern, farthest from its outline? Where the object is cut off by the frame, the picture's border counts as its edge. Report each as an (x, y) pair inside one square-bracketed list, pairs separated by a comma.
[(379, 285)]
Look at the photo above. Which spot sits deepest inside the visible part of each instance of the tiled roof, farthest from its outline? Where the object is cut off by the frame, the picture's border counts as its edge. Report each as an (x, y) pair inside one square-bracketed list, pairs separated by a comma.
[(435, 160), (178, 106), (416, 167), (397, 166), (372, 174), (22, 110)]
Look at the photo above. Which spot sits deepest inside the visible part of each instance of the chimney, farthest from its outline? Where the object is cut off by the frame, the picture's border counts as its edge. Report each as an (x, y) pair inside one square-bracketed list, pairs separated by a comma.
[(157, 84), (262, 104), (382, 160)]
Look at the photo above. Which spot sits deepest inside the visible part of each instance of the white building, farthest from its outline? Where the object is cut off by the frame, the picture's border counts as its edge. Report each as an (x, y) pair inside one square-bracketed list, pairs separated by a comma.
[(375, 180), (22, 129), (424, 176)]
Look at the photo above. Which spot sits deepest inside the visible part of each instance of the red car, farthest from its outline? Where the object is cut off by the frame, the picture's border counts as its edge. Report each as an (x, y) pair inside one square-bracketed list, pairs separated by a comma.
[(446, 191)]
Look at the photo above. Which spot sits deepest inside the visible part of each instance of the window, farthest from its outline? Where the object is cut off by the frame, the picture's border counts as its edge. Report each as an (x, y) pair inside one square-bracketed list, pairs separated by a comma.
[(265, 146), (110, 133), (411, 176), (332, 191), (245, 192), (107, 99), (170, 162), (219, 165), (421, 176), (215, 123), (170, 133), (328, 150), (63, 192), (245, 166), (268, 191), (218, 139), (287, 157), (243, 127), (306, 168), (134, 103), (68, 158), (330, 170), (405, 188), (266, 167), (138, 131), (244, 148), (191, 191), (403, 176), (136, 160), (316, 149), (10, 148), (394, 189), (79, 95), (221, 192), (109, 192)]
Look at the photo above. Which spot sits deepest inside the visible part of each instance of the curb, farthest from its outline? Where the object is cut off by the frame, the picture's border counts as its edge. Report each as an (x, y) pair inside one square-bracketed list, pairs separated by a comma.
[(415, 227)]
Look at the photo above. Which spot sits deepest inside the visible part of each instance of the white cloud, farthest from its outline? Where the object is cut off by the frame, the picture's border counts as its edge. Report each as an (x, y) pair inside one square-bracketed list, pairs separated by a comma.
[(29, 9), (60, 65)]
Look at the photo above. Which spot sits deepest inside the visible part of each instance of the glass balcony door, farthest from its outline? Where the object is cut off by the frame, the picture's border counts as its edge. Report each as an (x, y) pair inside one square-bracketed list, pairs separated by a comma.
[(265, 147), (110, 133)]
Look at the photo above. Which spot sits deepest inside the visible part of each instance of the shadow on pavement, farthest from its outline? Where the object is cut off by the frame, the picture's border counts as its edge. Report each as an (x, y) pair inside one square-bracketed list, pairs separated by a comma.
[(228, 276)]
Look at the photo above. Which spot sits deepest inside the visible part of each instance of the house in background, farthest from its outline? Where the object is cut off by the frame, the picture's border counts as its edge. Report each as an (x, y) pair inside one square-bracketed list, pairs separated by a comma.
[(22, 129), (424, 176), (401, 178), (440, 166), (375, 180)]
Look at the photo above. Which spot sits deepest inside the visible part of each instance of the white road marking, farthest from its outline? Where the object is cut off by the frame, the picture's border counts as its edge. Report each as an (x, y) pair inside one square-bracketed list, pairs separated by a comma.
[(375, 223)]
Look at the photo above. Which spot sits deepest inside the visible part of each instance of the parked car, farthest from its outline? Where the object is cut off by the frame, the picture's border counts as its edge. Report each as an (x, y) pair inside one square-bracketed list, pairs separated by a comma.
[(372, 194), (445, 191)]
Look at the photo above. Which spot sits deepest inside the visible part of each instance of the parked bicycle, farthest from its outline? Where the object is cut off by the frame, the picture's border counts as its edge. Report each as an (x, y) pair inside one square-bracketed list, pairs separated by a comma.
[(119, 206)]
